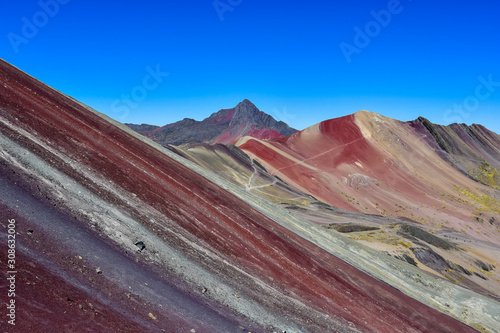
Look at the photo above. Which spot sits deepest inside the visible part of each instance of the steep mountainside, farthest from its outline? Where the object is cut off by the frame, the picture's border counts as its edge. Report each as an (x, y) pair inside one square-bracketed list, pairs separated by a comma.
[(369, 163), (225, 126), (416, 171), (115, 233), (420, 240)]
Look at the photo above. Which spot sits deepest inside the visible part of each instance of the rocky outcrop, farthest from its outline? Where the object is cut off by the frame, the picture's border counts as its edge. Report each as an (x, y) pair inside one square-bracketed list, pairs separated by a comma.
[(464, 147), (225, 126)]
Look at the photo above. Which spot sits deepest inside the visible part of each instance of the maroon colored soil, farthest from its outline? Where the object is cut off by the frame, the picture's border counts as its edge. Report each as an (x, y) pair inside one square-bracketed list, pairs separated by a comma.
[(194, 209)]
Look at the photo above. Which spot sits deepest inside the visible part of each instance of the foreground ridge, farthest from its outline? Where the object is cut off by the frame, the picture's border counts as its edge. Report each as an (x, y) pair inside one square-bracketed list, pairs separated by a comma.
[(85, 190)]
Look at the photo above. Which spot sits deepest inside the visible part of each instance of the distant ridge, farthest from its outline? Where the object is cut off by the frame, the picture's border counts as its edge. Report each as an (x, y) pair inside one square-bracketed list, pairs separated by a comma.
[(390, 160), (461, 145), (225, 126)]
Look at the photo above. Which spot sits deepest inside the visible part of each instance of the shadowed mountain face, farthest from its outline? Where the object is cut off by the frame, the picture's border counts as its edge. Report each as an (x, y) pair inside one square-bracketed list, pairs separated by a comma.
[(116, 233), (464, 147), (225, 126)]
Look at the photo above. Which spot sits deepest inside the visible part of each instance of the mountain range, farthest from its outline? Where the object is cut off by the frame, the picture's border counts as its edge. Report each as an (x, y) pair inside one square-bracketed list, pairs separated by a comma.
[(443, 179), (358, 224), (225, 126)]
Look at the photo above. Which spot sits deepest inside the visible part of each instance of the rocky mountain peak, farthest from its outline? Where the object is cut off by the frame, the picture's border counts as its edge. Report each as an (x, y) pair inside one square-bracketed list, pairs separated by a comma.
[(225, 125)]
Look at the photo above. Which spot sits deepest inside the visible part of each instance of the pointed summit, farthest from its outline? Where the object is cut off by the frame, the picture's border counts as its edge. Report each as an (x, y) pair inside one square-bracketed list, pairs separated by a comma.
[(245, 109), (225, 126), (246, 103)]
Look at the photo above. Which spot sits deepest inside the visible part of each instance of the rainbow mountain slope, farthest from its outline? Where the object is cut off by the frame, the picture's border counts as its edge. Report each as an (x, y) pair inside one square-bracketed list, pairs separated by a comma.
[(429, 177), (116, 233)]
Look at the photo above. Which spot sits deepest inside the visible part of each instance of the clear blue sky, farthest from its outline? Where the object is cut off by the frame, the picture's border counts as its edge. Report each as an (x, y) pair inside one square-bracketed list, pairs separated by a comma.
[(288, 57)]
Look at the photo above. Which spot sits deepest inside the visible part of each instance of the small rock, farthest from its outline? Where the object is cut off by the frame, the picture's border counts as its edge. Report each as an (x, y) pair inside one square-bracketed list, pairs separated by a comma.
[(152, 316), (204, 290), (140, 245), (98, 270)]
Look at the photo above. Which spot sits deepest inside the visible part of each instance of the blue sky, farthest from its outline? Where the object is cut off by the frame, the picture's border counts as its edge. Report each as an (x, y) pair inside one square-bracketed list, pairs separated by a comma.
[(301, 62)]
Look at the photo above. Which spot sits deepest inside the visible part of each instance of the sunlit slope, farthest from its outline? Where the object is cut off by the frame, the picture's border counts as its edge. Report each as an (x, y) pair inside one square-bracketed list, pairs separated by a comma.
[(373, 164), (117, 233)]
